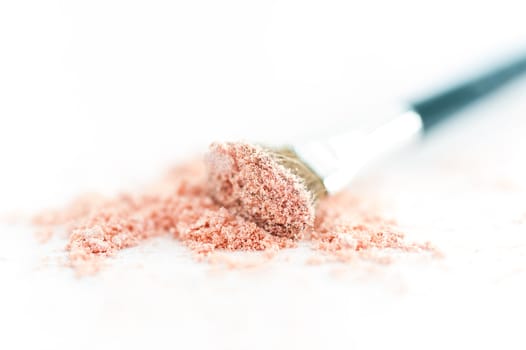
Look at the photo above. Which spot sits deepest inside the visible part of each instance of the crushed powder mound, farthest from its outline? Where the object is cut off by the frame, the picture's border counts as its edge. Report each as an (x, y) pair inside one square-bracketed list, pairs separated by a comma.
[(246, 179), (180, 205)]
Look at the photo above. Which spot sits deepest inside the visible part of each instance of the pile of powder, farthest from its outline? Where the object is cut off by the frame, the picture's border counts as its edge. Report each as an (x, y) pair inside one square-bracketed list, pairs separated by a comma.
[(180, 205), (248, 180)]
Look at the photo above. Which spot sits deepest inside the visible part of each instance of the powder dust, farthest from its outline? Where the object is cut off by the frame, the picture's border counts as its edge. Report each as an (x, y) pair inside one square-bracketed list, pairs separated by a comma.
[(179, 205), (249, 181)]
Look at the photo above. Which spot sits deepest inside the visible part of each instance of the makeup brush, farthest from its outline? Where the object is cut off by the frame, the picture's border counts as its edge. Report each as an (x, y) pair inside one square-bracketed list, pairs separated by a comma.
[(277, 188)]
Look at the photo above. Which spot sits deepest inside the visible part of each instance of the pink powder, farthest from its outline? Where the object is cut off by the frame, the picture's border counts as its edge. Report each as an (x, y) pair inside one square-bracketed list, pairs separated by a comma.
[(43, 235), (246, 179), (180, 205), (347, 227)]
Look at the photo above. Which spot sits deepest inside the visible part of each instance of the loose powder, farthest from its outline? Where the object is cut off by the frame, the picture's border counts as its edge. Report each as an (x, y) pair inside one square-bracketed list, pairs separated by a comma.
[(247, 180), (180, 204)]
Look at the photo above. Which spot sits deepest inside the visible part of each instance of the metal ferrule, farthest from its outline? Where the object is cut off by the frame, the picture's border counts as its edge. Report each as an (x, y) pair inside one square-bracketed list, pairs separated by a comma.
[(337, 159)]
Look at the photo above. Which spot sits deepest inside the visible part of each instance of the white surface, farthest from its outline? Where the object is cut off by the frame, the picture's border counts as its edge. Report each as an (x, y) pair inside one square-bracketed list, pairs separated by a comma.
[(100, 95)]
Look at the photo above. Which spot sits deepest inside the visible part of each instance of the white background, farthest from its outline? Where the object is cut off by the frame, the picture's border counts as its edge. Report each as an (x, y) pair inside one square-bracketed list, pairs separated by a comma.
[(100, 95)]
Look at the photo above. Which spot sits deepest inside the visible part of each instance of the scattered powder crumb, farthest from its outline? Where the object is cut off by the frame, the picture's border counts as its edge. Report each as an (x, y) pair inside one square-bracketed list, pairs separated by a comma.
[(179, 205), (314, 260), (347, 228), (254, 260), (43, 235)]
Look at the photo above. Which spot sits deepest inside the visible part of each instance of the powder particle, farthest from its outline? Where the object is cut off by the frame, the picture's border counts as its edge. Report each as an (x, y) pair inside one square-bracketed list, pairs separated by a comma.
[(255, 260), (345, 225), (347, 228), (247, 180), (43, 235), (180, 205)]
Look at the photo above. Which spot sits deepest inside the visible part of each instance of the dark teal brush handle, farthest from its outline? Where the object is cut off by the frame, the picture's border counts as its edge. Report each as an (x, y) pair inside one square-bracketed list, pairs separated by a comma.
[(438, 107)]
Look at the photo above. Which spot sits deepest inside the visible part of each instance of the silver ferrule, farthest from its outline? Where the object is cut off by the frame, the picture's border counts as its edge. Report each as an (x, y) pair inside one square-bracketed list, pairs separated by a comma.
[(338, 158)]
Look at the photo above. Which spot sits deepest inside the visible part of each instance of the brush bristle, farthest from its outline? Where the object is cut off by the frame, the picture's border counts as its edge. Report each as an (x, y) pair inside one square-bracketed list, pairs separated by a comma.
[(290, 160), (268, 187)]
